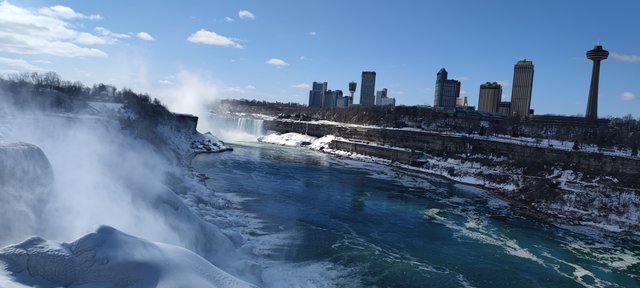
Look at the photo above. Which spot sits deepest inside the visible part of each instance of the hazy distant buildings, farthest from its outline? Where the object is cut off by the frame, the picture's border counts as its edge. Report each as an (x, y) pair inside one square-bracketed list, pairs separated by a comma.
[(522, 87), (596, 55), (447, 91), (316, 95), (343, 101), (367, 88), (490, 97), (383, 100), (330, 98), (462, 102)]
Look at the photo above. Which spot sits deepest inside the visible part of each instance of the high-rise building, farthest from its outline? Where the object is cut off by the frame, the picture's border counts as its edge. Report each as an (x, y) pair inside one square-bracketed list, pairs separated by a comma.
[(522, 87), (381, 94), (447, 91), (383, 100), (330, 98), (462, 102), (504, 107), (490, 96), (596, 55), (367, 88), (316, 95)]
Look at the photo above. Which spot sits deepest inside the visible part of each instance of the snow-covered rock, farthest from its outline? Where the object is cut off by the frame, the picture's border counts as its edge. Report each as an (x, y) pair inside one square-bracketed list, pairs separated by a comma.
[(288, 139), (110, 258)]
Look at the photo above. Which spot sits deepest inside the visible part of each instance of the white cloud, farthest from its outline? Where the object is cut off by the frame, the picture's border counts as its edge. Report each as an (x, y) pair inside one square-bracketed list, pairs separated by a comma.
[(145, 36), (628, 96), (250, 87), (90, 39), (313, 33), (64, 12), (211, 38), (301, 86), (106, 32), (277, 62), (462, 78), (305, 58), (165, 82), (245, 14), (228, 19), (625, 58), (20, 65), (504, 83), (24, 31)]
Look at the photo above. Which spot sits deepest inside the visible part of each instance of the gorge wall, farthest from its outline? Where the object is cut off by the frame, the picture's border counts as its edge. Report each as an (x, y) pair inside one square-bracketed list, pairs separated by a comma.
[(536, 159)]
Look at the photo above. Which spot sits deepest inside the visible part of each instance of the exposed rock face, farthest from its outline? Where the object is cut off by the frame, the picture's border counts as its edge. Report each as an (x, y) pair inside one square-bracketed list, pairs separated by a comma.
[(27, 179)]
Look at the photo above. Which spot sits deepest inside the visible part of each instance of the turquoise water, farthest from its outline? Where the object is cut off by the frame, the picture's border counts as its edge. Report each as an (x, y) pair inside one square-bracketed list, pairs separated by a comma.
[(388, 228)]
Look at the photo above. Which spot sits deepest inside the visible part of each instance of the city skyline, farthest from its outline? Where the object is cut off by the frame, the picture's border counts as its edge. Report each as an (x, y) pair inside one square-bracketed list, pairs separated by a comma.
[(251, 50)]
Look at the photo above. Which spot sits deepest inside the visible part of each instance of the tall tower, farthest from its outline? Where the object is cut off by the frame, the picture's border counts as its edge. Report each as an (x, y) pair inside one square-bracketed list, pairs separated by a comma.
[(352, 87), (447, 91), (522, 86), (352, 90), (367, 88), (596, 55)]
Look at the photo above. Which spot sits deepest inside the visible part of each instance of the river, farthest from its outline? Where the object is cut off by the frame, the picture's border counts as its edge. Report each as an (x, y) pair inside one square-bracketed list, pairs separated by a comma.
[(375, 225)]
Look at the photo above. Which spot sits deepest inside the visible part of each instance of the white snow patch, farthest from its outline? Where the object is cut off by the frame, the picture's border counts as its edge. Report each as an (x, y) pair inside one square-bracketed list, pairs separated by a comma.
[(287, 139)]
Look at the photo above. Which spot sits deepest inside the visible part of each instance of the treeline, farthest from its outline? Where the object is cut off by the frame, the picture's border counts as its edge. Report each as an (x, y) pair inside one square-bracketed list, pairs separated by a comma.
[(48, 92)]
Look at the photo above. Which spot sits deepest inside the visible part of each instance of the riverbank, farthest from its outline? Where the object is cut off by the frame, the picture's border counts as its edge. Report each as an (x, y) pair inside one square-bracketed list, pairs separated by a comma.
[(552, 193)]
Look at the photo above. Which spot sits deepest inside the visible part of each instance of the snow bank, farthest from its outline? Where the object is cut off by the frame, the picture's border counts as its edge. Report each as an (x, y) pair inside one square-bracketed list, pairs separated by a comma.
[(288, 139), (110, 258)]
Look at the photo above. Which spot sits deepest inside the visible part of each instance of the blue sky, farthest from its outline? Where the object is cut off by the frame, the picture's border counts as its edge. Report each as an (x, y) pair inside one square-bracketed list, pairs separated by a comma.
[(235, 46)]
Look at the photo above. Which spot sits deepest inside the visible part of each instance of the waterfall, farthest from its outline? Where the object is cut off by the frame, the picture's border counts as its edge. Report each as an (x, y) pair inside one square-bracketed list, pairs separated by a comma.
[(232, 128)]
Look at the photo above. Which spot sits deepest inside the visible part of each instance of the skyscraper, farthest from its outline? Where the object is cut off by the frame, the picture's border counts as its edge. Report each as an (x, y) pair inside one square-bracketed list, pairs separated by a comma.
[(368, 88), (596, 55), (383, 100), (522, 87), (447, 91), (490, 96), (330, 98), (316, 95)]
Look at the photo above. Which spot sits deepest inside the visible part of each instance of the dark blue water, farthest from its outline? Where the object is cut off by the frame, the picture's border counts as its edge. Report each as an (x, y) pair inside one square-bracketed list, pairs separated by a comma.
[(389, 228)]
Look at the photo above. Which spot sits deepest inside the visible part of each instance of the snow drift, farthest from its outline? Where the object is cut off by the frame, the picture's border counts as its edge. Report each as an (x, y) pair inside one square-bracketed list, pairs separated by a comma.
[(110, 258)]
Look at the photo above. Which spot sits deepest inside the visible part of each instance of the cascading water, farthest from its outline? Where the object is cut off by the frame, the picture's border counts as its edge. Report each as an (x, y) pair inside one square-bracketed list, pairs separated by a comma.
[(233, 128)]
